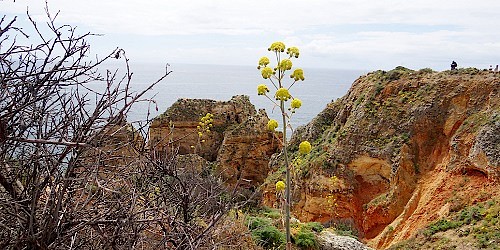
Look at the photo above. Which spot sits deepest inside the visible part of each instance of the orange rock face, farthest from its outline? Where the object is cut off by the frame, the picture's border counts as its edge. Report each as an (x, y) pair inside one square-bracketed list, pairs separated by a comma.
[(177, 127), (238, 141), (245, 152), (400, 145)]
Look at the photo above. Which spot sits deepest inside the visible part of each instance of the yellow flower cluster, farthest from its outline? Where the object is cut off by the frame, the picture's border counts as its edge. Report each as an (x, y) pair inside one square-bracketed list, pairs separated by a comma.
[(293, 52), (282, 94), (334, 179), (280, 186), (285, 64), (267, 72), (263, 62), (305, 147), (205, 124), (296, 103), (298, 74), (277, 47), (272, 124), (262, 89)]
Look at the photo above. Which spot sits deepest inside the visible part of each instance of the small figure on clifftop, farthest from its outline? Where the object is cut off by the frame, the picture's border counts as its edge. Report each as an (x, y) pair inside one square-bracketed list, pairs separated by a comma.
[(496, 69), (453, 65)]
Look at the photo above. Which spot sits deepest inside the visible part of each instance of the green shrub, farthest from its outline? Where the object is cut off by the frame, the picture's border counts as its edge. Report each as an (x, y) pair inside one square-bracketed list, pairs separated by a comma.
[(441, 226), (470, 215), (314, 226), (269, 237), (425, 71), (264, 233), (305, 239), (271, 213), (257, 222), (347, 228), (378, 88)]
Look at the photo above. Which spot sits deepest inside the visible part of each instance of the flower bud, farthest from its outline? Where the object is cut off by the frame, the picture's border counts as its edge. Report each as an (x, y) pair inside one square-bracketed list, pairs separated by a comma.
[(298, 74), (262, 89), (267, 72), (272, 124), (277, 47), (285, 64), (282, 94), (296, 103), (280, 186), (305, 147), (264, 61)]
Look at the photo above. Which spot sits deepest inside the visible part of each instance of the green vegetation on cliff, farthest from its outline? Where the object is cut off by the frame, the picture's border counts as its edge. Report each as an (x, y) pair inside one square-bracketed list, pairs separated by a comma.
[(473, 227), (391, 130)]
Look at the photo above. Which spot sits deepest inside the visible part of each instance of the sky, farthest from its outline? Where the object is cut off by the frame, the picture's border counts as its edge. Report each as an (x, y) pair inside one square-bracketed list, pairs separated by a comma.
[(338, 34)]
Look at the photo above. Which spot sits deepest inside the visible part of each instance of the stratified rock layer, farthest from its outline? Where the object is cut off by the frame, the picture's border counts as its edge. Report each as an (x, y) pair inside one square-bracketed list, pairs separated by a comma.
[(238, 140), (245, 151), (391, 153)]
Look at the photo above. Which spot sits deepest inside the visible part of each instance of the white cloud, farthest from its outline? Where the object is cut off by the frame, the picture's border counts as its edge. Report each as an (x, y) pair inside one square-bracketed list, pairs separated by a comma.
[(159, 17), (387, 32)]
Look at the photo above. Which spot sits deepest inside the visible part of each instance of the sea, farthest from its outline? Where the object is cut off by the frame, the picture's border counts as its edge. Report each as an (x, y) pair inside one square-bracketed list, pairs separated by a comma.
[(221, 82)]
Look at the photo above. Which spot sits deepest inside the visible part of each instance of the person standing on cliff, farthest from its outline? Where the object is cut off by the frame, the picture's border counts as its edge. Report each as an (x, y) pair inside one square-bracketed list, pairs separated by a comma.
[(496, 69), (453, 65)]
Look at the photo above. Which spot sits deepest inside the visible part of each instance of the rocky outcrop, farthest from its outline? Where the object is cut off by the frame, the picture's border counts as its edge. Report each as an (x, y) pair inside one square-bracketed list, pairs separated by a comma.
[(395, 149), (330, 241), (245, 151), (177, 127), (238, 141)]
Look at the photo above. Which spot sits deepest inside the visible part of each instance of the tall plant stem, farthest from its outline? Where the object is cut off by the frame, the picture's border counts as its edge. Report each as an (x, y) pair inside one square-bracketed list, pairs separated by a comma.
[(287, 189)]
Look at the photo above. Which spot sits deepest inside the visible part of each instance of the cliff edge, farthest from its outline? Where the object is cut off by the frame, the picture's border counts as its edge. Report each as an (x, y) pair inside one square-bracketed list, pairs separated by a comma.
[(403, 148)]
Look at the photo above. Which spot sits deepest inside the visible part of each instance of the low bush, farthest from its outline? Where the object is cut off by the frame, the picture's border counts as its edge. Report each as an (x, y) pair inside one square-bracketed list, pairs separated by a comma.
[(305, 239), (347, 228), (314, 226), (265, 234), (441, 226)]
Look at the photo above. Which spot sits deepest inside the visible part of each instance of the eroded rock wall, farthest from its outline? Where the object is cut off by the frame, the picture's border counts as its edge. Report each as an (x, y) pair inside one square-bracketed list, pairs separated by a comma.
[(381, 144), (238, 142)]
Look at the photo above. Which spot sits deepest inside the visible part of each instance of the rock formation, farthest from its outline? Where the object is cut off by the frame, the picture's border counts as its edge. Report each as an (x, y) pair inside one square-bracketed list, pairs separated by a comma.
[(245, 151), (238, 141), (330, 241), (391, 153), (403, 148)]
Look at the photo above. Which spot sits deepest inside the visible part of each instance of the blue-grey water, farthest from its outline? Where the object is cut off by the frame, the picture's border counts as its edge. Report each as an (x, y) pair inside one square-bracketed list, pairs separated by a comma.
[(218, 82)]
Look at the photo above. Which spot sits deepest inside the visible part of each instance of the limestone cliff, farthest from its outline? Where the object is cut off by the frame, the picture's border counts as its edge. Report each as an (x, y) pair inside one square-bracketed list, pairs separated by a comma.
[(238, 141), (245, 151), (178, 125), (391, 154)]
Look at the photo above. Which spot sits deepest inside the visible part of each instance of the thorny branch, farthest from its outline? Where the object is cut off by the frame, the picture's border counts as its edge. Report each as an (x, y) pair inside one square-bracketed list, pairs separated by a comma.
[(73, 173)]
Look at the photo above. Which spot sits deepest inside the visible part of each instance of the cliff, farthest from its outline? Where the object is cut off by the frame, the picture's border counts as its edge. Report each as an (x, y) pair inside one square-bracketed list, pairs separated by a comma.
[(400, 151), (238, 142), (403, 148)]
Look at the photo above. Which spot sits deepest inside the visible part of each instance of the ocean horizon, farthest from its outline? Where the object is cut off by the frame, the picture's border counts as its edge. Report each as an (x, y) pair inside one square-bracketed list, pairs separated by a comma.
[(222, 82)]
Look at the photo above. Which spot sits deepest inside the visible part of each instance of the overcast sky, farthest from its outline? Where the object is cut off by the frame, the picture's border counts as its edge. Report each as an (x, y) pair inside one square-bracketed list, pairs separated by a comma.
[(345, 34)]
